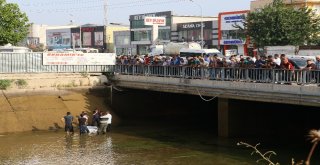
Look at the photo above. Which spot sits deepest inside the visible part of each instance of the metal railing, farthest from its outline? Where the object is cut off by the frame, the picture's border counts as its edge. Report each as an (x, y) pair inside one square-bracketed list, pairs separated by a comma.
[(32, 63), (224, 74)]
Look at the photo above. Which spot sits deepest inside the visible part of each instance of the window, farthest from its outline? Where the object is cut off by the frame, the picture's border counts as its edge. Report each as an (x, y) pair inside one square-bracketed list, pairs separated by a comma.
[(144, 35), (164, 34)]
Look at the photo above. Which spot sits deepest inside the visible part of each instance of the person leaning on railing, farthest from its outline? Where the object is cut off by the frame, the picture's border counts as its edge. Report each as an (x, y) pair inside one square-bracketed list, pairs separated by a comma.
[(317, 75)]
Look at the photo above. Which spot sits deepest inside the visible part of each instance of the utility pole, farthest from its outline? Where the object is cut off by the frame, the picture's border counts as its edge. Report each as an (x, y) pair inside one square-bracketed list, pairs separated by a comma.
[(105, 9), (201, 22)]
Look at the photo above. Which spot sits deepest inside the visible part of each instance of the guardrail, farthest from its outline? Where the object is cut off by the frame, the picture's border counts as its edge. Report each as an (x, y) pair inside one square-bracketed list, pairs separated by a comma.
[(224, 74)]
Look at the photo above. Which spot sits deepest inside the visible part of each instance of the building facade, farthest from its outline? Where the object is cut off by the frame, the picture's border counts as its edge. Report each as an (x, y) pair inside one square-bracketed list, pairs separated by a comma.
[(313, 4), (191, 32), (230, 39), (141, 35), (92, 36), (68, 36)]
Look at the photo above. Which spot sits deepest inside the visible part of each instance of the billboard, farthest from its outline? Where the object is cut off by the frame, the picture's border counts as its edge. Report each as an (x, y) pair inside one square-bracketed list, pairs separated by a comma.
[(160, 21), (98, 38), (229, 20), (58, 38), (70, 58), (86, 38)]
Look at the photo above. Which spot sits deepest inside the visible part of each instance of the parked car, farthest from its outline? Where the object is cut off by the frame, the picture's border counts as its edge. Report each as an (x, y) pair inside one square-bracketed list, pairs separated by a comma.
[(300, 62)]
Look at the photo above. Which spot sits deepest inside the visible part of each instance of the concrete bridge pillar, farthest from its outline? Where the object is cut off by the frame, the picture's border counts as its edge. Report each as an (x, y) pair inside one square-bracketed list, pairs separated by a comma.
[(223, 117)]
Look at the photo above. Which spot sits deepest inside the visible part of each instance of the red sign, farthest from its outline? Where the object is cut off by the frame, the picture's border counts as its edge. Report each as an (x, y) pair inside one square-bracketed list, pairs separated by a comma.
[(160, 21)]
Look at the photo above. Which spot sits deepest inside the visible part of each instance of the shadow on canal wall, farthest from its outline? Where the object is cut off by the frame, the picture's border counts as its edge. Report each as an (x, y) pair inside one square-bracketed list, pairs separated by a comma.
[(246, 119)]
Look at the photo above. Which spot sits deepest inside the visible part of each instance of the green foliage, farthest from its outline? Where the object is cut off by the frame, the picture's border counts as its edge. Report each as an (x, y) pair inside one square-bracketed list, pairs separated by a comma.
[(21, 83), (37, 48), (13, 23), (5, 84), (278, 24)]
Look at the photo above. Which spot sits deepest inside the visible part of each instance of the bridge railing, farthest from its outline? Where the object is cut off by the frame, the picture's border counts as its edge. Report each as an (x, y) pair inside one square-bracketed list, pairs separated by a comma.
[(32, 63), (224, 74)]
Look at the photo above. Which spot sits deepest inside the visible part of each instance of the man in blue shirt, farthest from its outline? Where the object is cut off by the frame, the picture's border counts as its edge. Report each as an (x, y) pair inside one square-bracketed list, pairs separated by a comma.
[(68, 123)]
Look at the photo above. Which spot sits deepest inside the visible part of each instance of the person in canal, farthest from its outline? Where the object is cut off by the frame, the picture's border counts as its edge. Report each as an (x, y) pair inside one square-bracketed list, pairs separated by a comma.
[(68, 123), (82, 124), (96, 118), (109, 116), (103, 123)]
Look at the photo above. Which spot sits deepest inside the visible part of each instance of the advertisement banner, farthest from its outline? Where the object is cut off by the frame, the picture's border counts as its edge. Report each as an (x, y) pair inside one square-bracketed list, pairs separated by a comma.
[(58, 38), (98, 38), (76, 38), (86, 38), (79, 58), (228, 21), (160, 21)]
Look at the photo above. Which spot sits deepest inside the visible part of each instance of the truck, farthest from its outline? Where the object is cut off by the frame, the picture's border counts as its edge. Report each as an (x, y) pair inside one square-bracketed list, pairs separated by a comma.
[(289, 49), (172, 48), (292, 50)]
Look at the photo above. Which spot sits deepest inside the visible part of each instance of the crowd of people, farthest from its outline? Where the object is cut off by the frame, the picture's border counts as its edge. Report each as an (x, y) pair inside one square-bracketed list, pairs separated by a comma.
[(214, 61), (100, 119)]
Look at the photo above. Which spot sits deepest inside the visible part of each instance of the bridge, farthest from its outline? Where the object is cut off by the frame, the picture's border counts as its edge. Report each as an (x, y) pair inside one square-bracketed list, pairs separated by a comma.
[(298, 87)]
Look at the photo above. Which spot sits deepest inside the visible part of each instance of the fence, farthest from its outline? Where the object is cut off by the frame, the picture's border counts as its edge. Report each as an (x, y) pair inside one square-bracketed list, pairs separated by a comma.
[(32, 63), (225, 74)]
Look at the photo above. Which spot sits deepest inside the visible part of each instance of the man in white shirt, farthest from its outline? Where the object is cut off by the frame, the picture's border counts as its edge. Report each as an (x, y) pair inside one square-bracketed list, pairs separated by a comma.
[(109, 116), (103, 123)]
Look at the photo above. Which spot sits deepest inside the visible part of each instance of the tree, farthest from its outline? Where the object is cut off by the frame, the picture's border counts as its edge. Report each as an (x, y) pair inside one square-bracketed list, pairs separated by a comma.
[(278, 24), (13, 23)]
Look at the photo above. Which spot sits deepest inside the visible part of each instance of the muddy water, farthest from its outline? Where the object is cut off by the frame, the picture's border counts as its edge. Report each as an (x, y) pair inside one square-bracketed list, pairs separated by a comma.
[(155, 128), (125, 145)]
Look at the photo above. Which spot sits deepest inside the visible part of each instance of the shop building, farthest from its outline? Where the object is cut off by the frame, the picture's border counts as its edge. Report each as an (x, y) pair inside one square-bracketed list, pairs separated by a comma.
[(92, 36), (58, 37), (312, 4), (191, 32), (141, 34), (98, 37), (122, 44), (231, 40)]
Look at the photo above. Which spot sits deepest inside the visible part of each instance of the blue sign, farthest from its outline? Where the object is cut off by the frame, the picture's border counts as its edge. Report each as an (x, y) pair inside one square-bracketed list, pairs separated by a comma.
[(232, 42)]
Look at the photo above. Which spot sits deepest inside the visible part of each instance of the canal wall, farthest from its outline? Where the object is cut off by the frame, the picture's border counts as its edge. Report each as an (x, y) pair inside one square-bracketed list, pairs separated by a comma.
[(42, 109), (43, 99)]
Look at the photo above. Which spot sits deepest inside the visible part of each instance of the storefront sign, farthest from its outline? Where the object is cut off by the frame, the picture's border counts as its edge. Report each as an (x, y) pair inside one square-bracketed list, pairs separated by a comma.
[(195, 25), (230, 21), (232, 42), (71, 58), (160, 21), (142, 16), (87, 29)]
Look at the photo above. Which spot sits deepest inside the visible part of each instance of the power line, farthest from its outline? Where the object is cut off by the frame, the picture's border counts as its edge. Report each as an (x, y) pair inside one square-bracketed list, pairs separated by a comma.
[(99, 7)]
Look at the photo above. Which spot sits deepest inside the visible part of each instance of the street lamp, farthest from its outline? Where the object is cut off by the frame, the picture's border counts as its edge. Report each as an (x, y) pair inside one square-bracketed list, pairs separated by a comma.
[(201, 37), (80, 32)]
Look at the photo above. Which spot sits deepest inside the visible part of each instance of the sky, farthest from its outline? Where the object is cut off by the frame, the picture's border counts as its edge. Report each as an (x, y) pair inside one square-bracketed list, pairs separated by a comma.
[(61, 12)]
